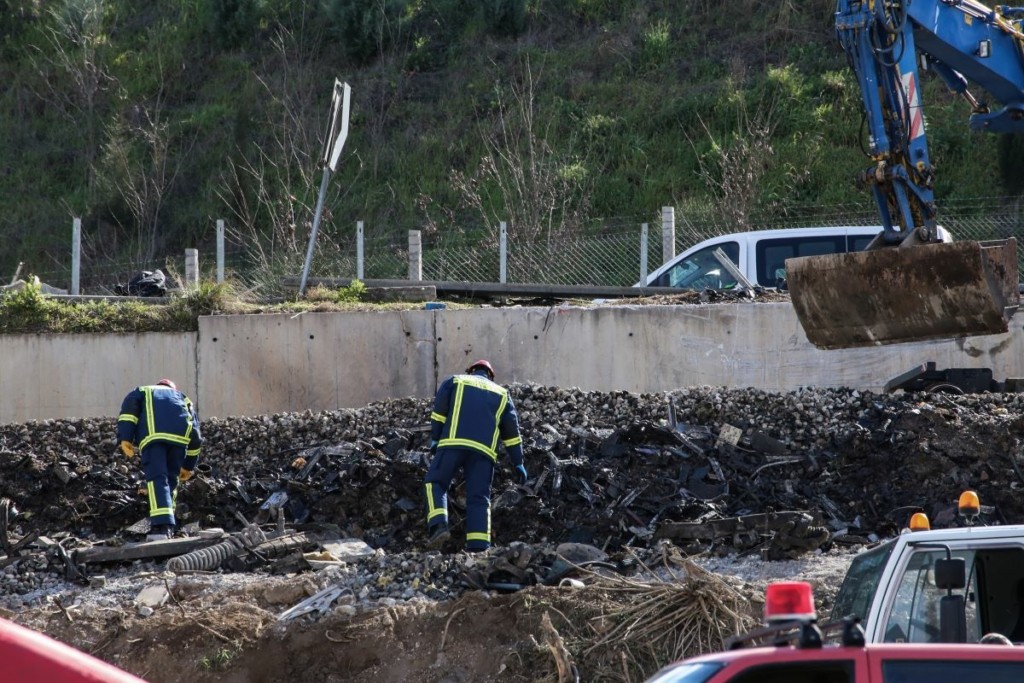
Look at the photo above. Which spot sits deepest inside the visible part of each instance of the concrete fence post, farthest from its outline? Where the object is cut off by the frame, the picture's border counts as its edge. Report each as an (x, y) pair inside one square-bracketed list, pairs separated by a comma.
[(415, 256), (643, 252), (191, 268), (668, 233), (76, 255), (359, 250), (503, 253), (220, 250)]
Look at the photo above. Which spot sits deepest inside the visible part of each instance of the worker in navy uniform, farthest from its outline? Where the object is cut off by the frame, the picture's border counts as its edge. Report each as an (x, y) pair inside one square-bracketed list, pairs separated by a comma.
[(162, 422), (471, 415)]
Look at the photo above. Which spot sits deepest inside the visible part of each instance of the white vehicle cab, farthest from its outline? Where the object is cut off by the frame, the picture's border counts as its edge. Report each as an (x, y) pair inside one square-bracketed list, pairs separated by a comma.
[(901, 589), (760, 255)]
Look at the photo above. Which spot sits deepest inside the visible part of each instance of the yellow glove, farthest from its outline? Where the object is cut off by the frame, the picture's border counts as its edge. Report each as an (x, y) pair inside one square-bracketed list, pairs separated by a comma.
[(184, 475), (128, 449)]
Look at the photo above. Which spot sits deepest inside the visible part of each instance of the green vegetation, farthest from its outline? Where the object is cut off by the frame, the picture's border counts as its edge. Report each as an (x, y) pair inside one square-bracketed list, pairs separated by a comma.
[(219, 660), (351, 294), (28, 310), (152, 120)]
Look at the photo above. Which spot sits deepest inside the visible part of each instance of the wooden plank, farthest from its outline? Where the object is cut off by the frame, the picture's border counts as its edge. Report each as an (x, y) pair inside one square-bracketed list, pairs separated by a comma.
[(140, 551)]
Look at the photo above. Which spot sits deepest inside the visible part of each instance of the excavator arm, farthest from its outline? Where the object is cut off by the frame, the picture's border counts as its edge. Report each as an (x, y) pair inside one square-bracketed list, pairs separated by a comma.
[(909, 285)]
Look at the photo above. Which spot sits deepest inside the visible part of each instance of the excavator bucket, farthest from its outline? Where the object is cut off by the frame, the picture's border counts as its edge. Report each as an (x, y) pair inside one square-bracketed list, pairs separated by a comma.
[(902, 294)]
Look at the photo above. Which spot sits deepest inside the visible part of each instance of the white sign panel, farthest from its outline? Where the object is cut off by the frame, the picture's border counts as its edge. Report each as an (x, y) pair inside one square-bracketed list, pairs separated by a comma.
[(338, 131)]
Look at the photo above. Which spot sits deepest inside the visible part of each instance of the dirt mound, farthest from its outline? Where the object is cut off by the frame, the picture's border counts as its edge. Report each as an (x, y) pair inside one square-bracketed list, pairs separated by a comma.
[(612, 630)]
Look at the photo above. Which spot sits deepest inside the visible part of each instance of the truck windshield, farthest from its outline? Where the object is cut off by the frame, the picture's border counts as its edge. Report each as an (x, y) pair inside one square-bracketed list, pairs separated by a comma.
[(697, 672), (701, 270), (861, 582)]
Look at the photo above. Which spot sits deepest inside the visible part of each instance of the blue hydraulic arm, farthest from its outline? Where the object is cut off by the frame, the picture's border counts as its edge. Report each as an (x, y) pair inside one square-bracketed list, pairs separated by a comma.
[(934, 289), (962, 41)]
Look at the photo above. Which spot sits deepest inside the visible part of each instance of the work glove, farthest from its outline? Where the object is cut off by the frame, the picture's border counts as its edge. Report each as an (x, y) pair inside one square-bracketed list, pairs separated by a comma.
[(433, 447), (522, 474), (184, 475), (128, 449)]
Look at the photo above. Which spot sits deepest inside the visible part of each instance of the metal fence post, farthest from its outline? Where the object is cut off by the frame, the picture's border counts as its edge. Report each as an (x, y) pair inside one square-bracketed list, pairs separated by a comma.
[(359, 250), (415, 256), (668, 233), (191, 268), (643, 253), (220, 250), (503, 253), (76, 255)]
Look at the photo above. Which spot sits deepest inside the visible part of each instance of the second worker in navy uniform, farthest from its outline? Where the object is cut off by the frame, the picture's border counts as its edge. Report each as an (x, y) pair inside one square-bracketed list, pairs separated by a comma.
[(471, 416), (163, 423)]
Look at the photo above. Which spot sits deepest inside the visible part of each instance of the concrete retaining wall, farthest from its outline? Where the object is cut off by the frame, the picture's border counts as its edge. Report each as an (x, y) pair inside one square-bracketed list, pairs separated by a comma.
[(258, 364), (87, 375), (659, 348), (250, 365)]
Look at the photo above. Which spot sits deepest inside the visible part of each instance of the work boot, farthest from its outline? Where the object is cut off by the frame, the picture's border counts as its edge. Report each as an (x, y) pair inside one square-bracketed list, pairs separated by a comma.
[(438, 535), (159, 533)]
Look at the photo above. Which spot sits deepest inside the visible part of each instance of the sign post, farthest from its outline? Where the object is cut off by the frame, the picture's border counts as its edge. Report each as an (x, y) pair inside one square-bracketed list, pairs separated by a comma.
[(333, 142)]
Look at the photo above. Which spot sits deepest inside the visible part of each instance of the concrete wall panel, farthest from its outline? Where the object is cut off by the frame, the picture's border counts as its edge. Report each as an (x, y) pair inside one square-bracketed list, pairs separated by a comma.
[(659, 348), (253, 365), (87, 375), (261, 364)]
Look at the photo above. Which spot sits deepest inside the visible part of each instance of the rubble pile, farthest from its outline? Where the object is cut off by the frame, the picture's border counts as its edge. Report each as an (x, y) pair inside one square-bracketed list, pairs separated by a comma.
[(702, 468)]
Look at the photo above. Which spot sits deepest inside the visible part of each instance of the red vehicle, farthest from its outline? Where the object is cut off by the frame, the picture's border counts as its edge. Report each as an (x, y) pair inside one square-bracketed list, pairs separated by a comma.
[(799, 654), (27, 656)]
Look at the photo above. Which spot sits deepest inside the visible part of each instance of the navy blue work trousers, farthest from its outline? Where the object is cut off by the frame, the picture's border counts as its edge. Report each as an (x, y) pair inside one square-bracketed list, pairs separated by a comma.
[(478, 469), (161, 463)]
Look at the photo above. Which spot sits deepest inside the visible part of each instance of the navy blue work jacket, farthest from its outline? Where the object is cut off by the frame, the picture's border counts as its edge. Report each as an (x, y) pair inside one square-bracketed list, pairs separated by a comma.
[(471, 411)]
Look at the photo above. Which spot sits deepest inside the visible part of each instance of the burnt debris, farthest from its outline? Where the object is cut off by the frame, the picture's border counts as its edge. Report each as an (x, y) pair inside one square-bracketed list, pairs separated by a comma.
[(777, 474)]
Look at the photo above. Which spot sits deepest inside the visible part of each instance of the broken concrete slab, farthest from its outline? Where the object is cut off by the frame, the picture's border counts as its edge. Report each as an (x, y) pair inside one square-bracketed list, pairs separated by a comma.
[(152, 596), (348, 550)]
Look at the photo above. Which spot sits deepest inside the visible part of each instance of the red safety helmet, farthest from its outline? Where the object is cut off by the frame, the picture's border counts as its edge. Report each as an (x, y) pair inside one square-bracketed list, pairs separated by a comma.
[(168, 383), (481, 364)]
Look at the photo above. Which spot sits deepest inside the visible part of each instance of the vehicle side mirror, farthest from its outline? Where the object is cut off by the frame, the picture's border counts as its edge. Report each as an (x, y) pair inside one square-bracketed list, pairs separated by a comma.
[(950, 573), (952, 619)]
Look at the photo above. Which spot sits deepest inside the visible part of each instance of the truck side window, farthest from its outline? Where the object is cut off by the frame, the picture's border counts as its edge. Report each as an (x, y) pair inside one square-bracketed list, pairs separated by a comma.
[(838, 671), (914, 614), (1000, 581), (860, 242), (772, 254), (920, 671), (701, 270)]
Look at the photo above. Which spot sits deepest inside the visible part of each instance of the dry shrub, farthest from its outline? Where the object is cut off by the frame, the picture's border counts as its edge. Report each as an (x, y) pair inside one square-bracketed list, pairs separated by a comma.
[(625, 629)]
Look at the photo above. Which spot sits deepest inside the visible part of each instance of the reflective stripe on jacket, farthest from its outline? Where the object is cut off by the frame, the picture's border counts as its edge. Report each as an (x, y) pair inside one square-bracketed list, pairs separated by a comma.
[(152, 413), (470, 411)]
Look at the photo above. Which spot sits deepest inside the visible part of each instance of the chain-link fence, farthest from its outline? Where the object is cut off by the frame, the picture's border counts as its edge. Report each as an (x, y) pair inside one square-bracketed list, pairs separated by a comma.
[(607, 253), (612, 255), (109, 277)]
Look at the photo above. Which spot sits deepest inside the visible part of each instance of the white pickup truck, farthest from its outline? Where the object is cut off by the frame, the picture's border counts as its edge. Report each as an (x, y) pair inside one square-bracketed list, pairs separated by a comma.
[(893, 586)]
